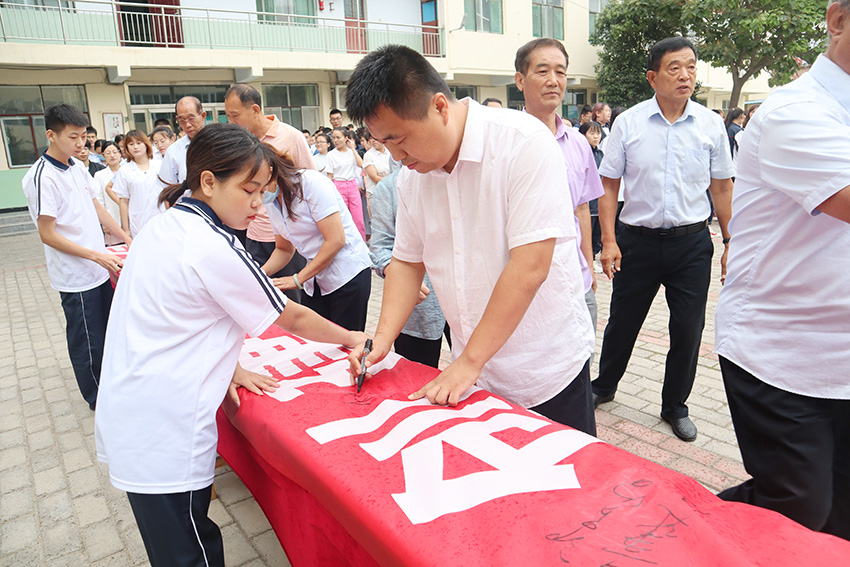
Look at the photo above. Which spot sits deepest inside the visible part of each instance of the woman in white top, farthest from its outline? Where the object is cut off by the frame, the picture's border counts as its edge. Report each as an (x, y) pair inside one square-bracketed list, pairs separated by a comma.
[(309, 215), (106, 196), (376, 165), (188, 294), (137, 183), (343, 165), (320, 158)]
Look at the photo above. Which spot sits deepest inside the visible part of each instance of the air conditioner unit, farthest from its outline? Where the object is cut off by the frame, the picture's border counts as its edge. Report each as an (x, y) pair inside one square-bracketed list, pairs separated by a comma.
[(339, 97)]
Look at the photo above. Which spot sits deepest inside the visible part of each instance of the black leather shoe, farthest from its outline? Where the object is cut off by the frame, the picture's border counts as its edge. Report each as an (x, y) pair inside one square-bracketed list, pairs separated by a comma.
[(683, 428), (602, 400)]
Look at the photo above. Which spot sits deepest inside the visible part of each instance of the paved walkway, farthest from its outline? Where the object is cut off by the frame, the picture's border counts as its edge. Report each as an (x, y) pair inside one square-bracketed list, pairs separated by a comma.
[(57, 507)]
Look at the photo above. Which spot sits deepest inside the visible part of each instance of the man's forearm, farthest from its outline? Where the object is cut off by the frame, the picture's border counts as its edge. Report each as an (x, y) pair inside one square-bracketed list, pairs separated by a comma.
[(582, 212), (721, 197), (608, 209)]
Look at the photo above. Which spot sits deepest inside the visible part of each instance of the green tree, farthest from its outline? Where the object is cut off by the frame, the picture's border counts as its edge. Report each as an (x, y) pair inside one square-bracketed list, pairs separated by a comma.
[(751, 36), (626, 30)]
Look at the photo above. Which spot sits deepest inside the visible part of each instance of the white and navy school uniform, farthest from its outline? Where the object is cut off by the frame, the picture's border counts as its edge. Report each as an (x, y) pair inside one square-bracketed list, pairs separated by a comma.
[(65, 191), (141, 188), (340, 292), (187, 295)]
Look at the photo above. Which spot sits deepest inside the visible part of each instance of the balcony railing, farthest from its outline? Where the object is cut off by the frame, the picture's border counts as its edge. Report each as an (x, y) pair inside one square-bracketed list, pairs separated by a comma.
[(104, 23)]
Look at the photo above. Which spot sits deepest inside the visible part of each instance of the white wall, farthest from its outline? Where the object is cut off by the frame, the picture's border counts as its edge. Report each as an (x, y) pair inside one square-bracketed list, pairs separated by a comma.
[(394, 11)]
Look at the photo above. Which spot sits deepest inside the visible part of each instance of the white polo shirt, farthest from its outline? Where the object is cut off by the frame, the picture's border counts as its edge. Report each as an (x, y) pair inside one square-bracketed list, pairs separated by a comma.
[(667, 168), (784, 313), (66, 192), (142, 188), (187, 295), (506, 190), (173, 167), (320, 200)]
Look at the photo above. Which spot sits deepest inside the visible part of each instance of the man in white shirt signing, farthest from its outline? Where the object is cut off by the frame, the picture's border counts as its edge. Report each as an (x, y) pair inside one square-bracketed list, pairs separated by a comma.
[(494, 228)]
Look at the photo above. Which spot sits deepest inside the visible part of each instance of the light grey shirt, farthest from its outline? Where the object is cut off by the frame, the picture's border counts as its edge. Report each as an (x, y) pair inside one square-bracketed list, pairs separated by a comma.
[(667, 168), (426, 321)]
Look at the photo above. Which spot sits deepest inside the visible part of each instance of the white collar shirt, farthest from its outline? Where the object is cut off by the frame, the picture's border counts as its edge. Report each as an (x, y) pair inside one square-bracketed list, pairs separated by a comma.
[(187, 295), (380, 161), (320, 199), (784, 313), (66, 192), (173, 168), (141, 188), (667, 168), (506, 190)]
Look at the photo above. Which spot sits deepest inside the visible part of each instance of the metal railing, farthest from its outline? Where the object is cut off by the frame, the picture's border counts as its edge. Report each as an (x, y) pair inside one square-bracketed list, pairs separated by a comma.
[(105, 23)]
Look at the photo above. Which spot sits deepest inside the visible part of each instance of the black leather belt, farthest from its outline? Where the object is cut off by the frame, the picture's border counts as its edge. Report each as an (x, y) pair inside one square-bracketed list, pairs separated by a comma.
[(674, 232)]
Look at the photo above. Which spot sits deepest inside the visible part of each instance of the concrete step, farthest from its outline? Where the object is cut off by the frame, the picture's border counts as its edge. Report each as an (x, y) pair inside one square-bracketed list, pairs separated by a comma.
[(16, 222)]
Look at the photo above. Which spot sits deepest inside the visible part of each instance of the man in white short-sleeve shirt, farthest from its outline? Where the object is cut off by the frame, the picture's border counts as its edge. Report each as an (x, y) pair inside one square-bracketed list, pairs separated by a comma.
[(62, 201), (669, 150), (482, 208), (190, 116), (783, 317)]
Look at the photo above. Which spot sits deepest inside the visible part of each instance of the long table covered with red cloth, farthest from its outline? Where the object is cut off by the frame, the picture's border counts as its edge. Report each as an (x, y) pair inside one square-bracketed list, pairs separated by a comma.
[(369, 479)]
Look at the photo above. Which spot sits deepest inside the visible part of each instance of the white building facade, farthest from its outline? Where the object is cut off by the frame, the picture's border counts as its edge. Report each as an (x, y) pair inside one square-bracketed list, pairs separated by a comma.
[(126, 63)]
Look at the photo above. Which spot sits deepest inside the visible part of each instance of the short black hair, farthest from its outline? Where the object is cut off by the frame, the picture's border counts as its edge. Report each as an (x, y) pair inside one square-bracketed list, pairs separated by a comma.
[(305, 131), (335, 111), (58, 116), (98, 144), (586, 109), (164, 130), (490, 99), (521, 62), (589, 125), (88, 145), (91, 130), (247, 94), (162, 122), (665, 46), (397, 77)]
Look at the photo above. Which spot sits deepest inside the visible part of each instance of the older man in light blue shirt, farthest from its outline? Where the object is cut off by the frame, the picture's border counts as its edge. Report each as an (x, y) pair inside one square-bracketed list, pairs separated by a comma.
[(669, 150)]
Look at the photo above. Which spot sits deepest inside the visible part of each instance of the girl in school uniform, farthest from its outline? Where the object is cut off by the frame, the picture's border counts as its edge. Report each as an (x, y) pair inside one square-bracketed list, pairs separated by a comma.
[(105, 195), (187, 295), (343, 166), (309, 215), (136, 184)]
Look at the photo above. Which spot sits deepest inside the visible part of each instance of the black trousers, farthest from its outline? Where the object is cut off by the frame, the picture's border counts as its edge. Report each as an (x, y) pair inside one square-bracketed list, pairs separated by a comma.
[(176, 529), (86, 314), (683, 266), (796, 448), (423, 351), (595, 235), (573, 406), (346, 306), (262, 251)]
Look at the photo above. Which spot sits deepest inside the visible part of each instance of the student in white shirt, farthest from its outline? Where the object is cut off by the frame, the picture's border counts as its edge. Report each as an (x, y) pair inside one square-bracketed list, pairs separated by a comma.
[(106, 196), (187, 296), (376, 165), (162, 137), (61, 200), (323, 146), (137, 183), (482, 208), (309, 215), (342, 167)]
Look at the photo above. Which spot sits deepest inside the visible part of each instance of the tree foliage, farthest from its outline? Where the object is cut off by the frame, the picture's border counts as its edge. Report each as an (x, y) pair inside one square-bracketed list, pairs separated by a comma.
[(626, 30), (745, 36), (751, 36)]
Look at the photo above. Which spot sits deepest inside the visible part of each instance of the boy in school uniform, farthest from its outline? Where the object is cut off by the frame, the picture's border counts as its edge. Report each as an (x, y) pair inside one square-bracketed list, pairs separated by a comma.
[(61, 198)]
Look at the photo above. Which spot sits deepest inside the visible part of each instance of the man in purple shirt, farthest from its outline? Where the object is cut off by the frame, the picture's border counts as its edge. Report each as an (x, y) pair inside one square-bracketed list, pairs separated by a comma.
[(541, 76)]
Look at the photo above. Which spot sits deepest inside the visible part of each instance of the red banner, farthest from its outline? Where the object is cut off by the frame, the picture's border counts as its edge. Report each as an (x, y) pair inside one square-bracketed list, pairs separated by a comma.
[(374, 479)]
